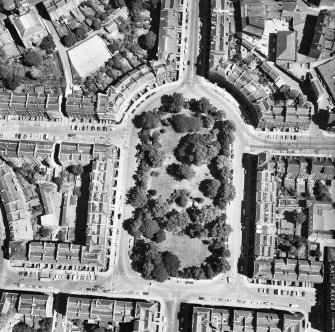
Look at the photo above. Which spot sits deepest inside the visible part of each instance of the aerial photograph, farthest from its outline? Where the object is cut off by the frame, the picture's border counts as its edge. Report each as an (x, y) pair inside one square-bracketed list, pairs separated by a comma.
[(167, 165)]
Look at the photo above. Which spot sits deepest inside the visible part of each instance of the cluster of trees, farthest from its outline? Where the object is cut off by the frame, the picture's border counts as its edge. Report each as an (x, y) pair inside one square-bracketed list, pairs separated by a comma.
[(291, 244), (153, 264), (322, 192), (44, 323), (74, 36), (149, 155)]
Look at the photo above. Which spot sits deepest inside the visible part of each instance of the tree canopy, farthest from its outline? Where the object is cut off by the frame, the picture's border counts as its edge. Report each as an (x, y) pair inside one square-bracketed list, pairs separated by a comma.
[(31, 58), (172, 103), (180, 171), (47, 43), (196, 149), (182, 123), (209, 187), (148, 40)]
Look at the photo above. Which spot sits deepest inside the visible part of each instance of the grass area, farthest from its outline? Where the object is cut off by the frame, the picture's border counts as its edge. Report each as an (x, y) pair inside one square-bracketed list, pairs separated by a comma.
[(191, 252), (164, 183)]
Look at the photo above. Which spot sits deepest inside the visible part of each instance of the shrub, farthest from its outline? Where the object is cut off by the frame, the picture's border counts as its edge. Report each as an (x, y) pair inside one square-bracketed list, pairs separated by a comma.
[(152, 192)]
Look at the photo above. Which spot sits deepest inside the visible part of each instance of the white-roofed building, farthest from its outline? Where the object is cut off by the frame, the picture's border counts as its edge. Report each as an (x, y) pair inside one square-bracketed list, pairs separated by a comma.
[(29, 27)]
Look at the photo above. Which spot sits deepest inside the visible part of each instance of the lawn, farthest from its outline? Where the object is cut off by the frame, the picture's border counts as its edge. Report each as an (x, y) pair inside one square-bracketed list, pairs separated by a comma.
[(191, 252)]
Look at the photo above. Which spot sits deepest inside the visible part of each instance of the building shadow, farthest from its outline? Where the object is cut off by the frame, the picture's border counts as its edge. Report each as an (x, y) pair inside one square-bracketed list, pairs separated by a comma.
[(308, 32), (248, 215), (272, 47)]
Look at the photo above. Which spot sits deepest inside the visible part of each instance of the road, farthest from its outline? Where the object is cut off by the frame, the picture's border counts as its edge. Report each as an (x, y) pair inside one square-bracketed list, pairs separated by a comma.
[(122, 281)]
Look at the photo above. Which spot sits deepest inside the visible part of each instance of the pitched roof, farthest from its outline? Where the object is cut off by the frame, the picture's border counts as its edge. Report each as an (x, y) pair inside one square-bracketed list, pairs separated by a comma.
[(285, 49), (28, 24)]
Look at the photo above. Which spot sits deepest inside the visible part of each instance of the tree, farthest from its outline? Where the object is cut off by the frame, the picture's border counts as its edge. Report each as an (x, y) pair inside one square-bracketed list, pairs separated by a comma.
[(204, 215), (196, 149), (22, 327), (220, 168), (202, 105), (137, 197), (182, 123), (155, 157), (226, 193), (147, 41), (45, 324), (176, 222), (12, 82), (209, 187), (96, 24), (149, 228), (295, 217), (171, 263), (147, 120), (76, 169), (77, 191), (160, 236), (181, 201), (158, 207), (47, 43), (160, 273), (80, 33), (59, 181), (321, 192), (69, 39), (31, 58), (45, 231), (172, 103), (180, 171)]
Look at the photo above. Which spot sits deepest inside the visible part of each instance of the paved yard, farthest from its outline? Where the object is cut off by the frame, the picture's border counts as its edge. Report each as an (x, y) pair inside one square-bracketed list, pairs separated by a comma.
[(191, 252), (89, 56)]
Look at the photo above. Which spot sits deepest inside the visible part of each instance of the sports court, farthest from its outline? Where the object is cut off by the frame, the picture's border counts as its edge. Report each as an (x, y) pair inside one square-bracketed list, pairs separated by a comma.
[(89, 56)]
